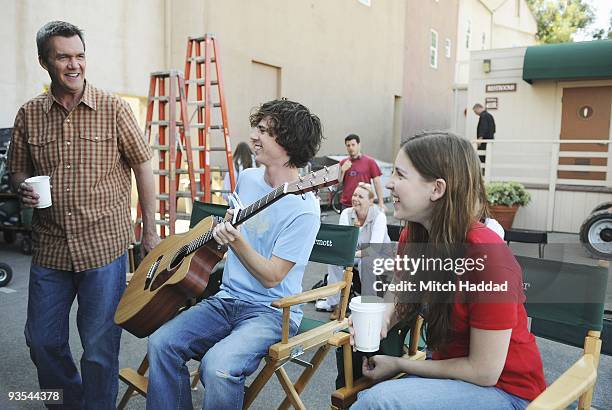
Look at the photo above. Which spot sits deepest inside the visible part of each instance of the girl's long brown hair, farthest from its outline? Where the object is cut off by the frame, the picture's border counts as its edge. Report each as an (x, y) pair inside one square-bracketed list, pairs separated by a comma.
[(441, 155)]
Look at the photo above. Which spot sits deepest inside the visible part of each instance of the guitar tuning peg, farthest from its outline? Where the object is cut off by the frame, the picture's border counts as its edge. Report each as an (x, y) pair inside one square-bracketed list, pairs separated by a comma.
[(325, 168), (301, 178), (303, 196)]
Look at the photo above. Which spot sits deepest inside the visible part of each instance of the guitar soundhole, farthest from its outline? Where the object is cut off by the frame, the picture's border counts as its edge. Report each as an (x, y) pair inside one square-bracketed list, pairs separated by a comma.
[(178, 258), (161, 278)]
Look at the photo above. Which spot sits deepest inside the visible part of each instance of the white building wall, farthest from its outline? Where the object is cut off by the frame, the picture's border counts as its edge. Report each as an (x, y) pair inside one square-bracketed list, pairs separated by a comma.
[(532, 115), (492, 24)]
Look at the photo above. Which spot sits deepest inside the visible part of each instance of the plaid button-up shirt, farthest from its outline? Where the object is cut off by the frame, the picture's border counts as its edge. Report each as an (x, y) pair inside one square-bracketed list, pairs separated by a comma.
[(88, 153)]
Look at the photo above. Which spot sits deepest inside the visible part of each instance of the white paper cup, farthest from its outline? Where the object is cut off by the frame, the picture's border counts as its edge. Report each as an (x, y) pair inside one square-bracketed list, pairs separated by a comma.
[(42, 186), (367, 322)]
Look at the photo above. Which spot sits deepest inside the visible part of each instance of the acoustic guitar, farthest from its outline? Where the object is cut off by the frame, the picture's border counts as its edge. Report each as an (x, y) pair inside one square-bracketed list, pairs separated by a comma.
[(178, 269)]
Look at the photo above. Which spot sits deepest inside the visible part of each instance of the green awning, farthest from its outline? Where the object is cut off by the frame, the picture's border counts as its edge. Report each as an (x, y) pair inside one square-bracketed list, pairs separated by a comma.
[(568, 61)]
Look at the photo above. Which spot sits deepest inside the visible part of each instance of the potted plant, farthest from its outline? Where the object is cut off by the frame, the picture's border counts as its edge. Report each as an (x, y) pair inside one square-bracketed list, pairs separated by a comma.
[(504, 200)]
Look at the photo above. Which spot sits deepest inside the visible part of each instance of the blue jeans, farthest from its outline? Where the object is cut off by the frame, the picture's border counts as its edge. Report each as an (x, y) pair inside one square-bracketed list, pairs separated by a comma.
[(231, 336), (420, 393), (50, 297)]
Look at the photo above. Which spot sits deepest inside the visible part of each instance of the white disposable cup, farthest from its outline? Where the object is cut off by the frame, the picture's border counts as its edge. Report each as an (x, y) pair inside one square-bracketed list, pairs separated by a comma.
[(42, 186), (367, 320)]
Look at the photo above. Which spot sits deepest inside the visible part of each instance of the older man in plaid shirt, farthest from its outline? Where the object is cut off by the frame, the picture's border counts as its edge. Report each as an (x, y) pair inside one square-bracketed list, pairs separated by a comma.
[(87, 141)]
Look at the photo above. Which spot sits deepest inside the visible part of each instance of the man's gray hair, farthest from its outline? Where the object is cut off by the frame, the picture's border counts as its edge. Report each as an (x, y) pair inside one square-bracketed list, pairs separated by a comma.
[(55, 28), (477, 105)]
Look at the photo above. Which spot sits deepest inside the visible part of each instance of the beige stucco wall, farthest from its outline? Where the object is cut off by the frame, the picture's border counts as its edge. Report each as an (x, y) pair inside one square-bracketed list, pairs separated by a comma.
[(123, 44), (340, 58), (427, 94)]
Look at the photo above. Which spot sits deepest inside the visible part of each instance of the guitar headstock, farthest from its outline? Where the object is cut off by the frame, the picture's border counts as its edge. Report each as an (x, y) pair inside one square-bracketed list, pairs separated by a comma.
[(326, 176)]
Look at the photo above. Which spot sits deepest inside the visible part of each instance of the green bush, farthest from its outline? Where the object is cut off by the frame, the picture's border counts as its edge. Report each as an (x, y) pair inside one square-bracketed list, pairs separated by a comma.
[(507, 193)]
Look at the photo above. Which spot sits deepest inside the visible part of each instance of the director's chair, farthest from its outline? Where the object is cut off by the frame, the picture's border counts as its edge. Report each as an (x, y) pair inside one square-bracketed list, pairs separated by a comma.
[(335, 245)]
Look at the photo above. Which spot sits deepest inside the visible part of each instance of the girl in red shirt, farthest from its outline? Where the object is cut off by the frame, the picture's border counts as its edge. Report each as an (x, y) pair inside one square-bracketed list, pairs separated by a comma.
[(484, 356)]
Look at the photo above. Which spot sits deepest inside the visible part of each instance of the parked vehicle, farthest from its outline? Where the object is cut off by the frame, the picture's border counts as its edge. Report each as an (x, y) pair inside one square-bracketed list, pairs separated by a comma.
[(596, 231)]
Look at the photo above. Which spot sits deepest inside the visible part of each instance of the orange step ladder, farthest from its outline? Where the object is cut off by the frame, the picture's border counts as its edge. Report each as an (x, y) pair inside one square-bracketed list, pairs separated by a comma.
[(202, 53), (167, 91)]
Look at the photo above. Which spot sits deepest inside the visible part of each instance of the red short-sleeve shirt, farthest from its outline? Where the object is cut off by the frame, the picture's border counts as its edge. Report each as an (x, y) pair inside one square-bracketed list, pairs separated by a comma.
[(523, 374)]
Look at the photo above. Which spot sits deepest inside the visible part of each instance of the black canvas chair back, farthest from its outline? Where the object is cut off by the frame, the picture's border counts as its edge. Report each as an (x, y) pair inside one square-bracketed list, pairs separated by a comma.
[(564, 300)]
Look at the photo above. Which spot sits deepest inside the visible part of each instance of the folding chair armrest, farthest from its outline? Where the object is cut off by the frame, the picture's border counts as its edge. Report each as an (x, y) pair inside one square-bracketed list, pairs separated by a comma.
[(345, 396), (306, 340), (340, 339), (309, 295), (569, 386)]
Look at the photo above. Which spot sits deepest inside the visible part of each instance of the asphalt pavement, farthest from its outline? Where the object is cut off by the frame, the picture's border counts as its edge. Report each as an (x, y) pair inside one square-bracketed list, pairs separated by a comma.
[(17, 373)]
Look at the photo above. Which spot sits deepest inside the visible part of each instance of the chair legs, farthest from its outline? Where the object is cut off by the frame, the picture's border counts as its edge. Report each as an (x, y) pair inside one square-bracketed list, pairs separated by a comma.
[(292, 394), (259, 382), (304, 378), (136, 381)]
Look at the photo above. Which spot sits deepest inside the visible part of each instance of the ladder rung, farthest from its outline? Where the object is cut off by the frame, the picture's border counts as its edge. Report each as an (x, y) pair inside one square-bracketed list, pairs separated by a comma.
[(202, 38), (203, 104), (167, 147), (212, 127), (185, 171), (165, 123), (160, 222), (179, 194), (201, 81), (200, 59), (166, 73), (217, 149), (183, 216), (223, 191), (167, 172), (163, 98), (161, 147)]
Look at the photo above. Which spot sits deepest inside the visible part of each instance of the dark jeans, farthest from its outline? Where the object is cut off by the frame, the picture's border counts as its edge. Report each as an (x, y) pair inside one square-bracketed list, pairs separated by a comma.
[(50, 297)]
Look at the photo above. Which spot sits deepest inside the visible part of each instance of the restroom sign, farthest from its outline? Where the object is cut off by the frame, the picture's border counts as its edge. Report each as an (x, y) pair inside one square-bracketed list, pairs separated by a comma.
[(499, 88)]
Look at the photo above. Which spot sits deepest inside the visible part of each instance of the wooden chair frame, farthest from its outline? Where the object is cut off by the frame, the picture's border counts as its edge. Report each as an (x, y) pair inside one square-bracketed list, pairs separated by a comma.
[(576, 383), (345, 396), (288, 349)]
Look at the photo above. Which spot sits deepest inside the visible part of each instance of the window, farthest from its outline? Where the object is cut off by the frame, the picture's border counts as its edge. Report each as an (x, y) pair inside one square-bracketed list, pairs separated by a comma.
[(468, 34), (433, 50), (447, 48), (365, 2), (483, 41)]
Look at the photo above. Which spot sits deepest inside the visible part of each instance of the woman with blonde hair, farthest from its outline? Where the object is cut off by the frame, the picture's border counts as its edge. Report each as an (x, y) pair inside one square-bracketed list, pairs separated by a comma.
[(484, 356), (372, 223)]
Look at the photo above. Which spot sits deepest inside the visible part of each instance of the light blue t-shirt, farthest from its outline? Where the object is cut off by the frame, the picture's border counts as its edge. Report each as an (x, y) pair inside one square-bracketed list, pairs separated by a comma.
[(286, 229)]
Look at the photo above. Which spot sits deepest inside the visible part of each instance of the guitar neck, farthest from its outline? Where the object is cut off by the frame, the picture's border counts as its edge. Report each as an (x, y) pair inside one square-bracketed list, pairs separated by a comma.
[(260, 205), (306, 183)]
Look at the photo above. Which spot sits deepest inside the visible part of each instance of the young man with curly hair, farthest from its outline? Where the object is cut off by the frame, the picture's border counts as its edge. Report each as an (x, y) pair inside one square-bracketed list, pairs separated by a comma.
[(233, 329)]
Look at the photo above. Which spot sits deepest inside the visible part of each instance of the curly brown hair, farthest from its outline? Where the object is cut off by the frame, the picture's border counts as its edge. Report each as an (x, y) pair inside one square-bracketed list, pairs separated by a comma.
[(294, 128)]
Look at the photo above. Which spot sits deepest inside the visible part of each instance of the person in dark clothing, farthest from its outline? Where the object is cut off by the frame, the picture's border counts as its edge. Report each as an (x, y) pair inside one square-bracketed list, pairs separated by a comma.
[(486, 127)]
